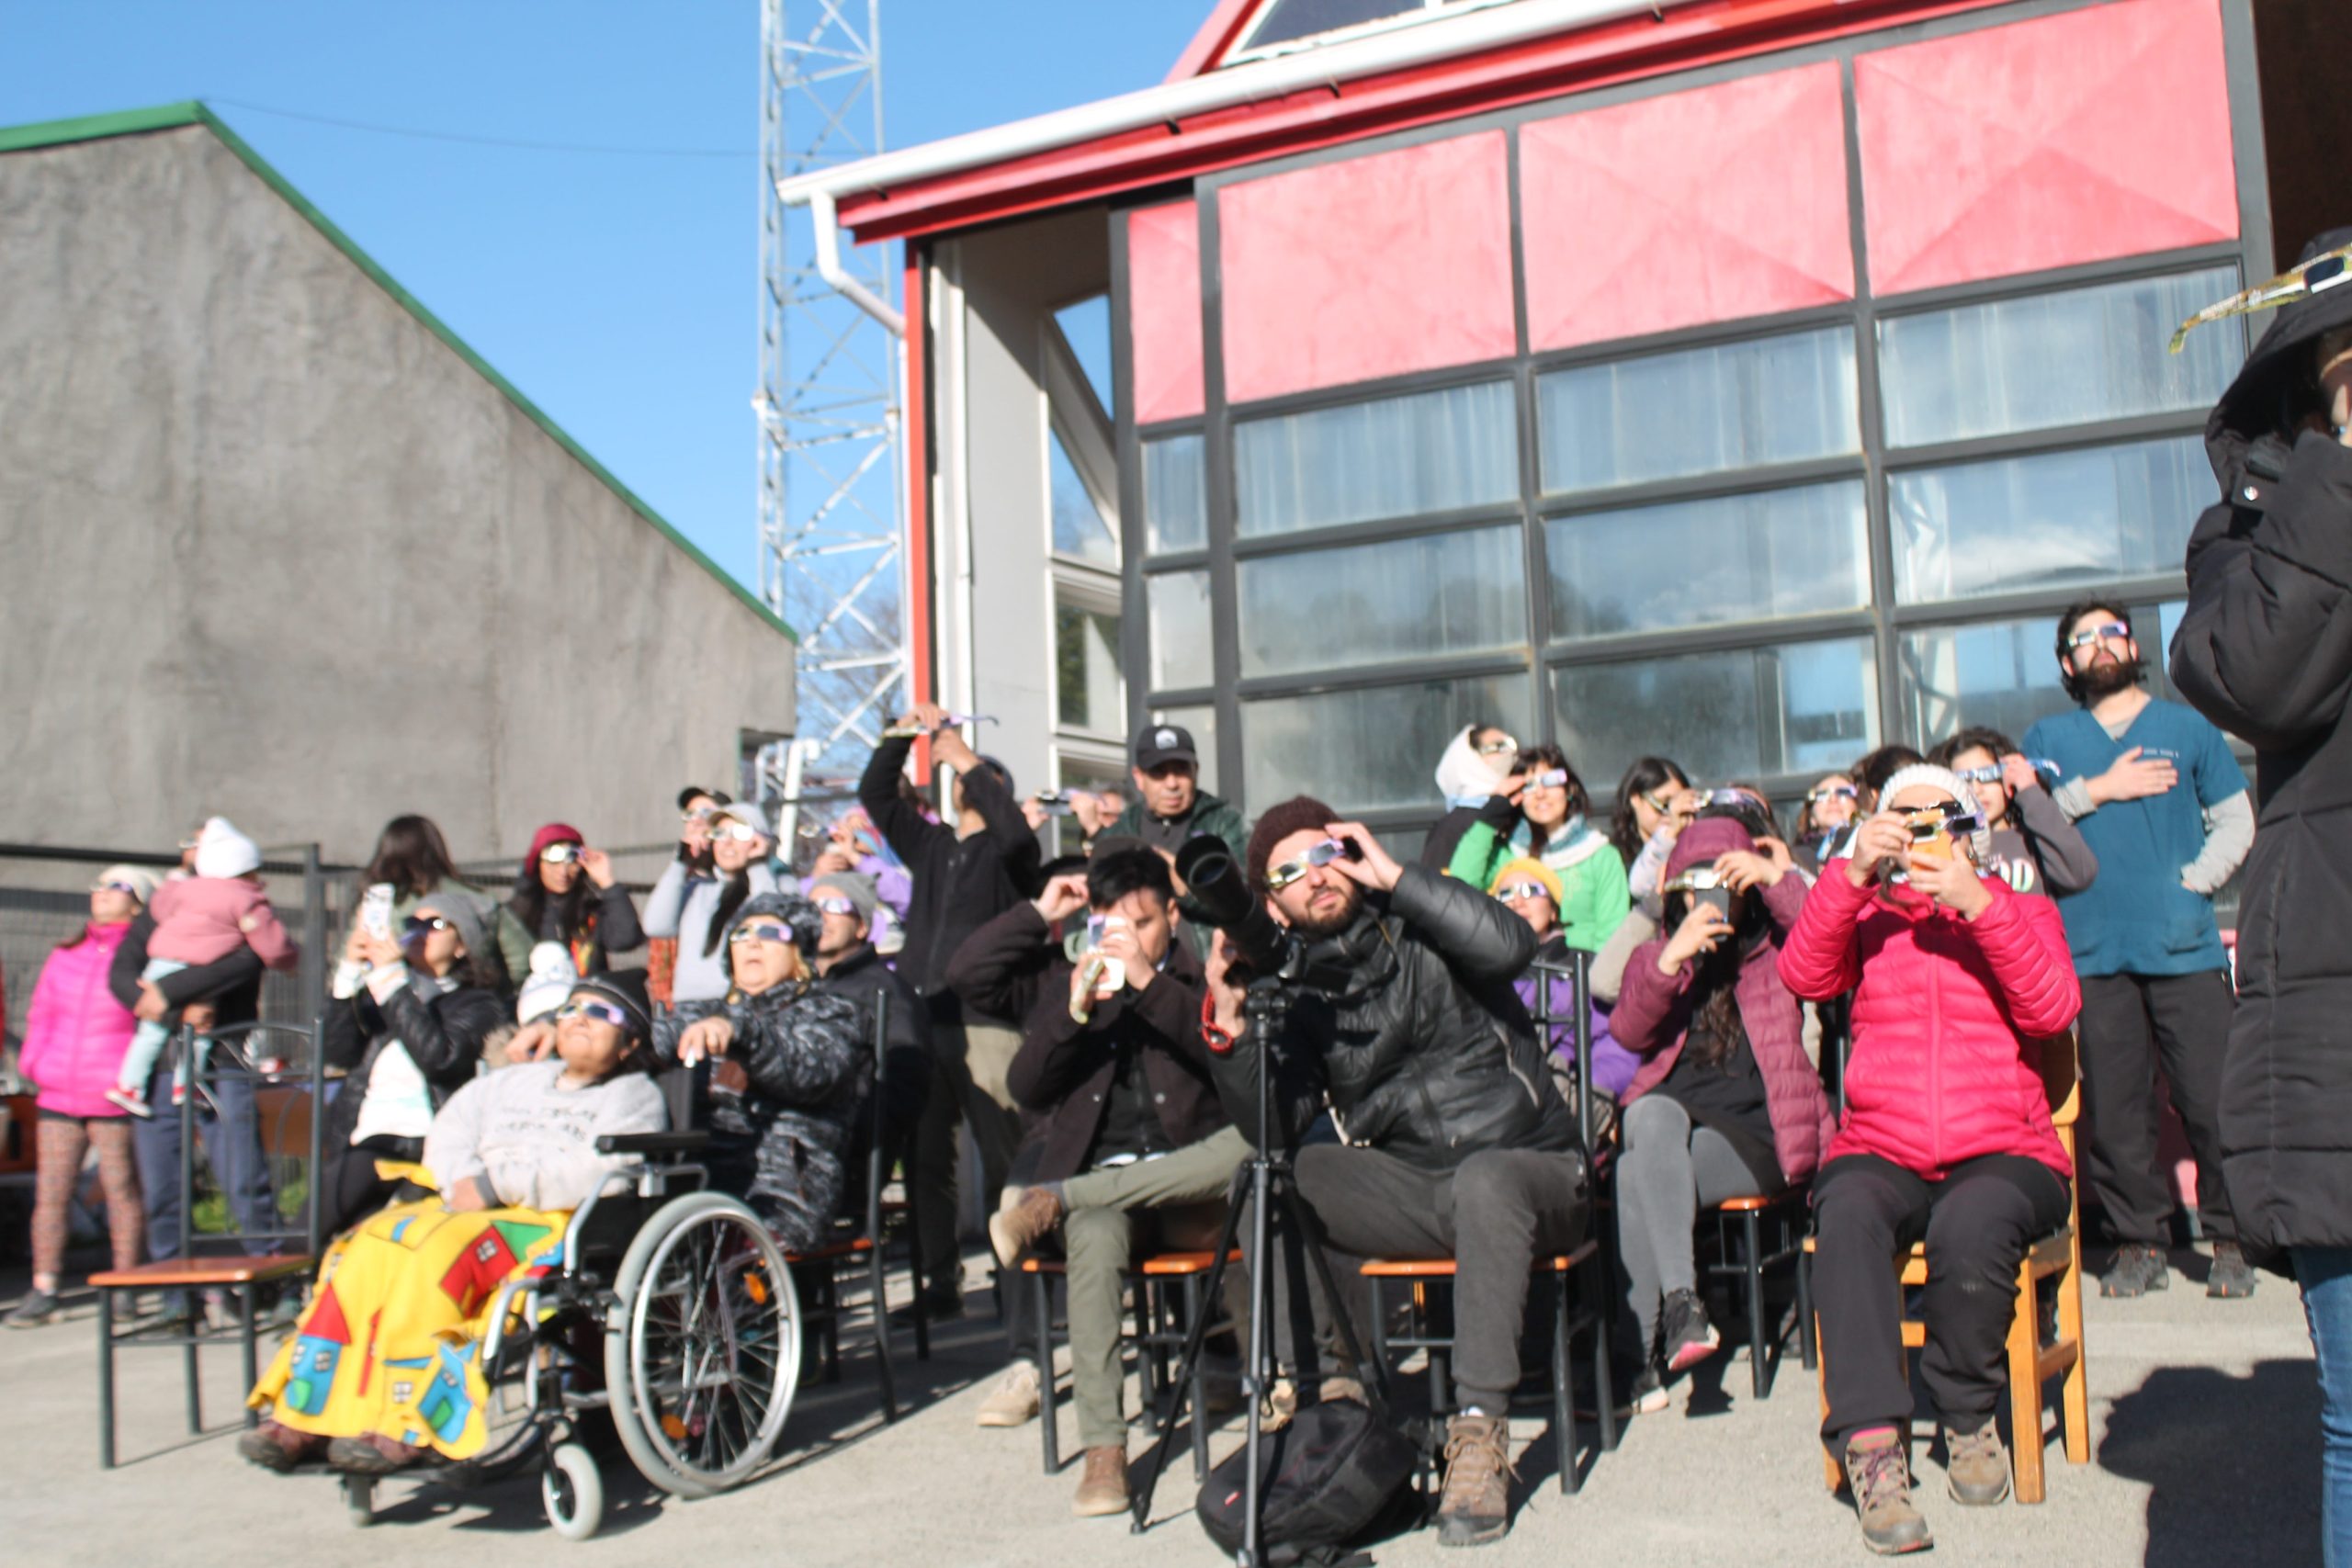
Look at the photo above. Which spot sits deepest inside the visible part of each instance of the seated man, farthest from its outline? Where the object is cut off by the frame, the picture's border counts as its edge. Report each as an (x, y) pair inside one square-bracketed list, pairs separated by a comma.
[(1456, 1144), (1134, 1148), (510, 1154), (848, 967)]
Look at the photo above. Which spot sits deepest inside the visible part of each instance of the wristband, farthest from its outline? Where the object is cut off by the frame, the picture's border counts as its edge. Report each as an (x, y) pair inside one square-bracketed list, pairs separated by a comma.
[(1216, 1039)]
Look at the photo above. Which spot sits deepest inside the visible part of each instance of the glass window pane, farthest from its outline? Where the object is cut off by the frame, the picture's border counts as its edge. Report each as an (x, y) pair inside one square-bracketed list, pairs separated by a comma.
[(1403, 599), (1175, 494), (1782, 400), (1286, 21), (2045, 521), (1366, 750), (1086, 327), (1086, 670), (1741, 714), (1202, 722), (1396, 457), (1692, 563), (2002, 673), (2066, 358), (1180, 649), (1079, 527)]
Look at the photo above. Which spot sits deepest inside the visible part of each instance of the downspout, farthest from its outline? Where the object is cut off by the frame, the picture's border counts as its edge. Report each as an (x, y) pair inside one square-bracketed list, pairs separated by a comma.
[(827, 224)]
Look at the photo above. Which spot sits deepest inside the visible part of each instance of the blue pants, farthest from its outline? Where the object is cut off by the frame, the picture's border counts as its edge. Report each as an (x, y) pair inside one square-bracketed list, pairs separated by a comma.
[(2326, 1275), (232, 1140)]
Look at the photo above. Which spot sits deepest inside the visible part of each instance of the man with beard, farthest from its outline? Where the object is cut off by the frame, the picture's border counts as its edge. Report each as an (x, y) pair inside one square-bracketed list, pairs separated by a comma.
[(2163, 805), (1454, 1143)]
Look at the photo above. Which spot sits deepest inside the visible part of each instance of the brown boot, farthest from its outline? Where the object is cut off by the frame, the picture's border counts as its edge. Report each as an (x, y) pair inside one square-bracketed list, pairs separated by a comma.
[(373, 1454), (1017, 1227), (1976, 1468), (279, 1447), (1475, 1505), (1881, 1477), (1102, 1488)]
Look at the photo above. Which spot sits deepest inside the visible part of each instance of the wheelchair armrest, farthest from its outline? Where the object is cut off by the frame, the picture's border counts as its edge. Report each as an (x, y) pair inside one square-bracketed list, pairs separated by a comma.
[(692, 1141)]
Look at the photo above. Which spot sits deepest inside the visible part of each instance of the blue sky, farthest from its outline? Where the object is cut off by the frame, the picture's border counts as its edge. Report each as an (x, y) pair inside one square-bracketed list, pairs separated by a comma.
[(618, 292)]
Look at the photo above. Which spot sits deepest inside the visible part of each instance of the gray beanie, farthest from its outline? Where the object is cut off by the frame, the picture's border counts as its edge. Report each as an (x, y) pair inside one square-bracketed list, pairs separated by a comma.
[(852, 885), (469, 913)]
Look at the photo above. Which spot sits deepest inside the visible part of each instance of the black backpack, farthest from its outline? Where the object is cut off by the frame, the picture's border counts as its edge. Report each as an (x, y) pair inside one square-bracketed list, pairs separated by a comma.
[(1335, 1476)]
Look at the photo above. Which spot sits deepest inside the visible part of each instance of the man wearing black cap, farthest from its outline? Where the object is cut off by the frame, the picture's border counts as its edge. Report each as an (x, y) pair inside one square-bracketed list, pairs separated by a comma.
[(1170, 808)]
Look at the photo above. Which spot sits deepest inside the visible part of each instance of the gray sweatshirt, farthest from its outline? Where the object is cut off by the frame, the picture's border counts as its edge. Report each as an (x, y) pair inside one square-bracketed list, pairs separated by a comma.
[(682, 905), (534, 1139)]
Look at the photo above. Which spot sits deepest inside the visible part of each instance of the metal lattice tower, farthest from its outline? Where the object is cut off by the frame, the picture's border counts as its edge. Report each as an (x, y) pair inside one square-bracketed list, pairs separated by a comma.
[(832, 560)]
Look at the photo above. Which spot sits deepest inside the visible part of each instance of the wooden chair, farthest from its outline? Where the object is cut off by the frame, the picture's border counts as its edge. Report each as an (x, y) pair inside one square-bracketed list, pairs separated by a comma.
[(1162, 1326), (2057, 1258)]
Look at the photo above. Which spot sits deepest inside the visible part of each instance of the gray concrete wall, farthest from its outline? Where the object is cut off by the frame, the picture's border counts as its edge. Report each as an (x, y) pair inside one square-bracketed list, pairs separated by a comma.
[(270, 548)]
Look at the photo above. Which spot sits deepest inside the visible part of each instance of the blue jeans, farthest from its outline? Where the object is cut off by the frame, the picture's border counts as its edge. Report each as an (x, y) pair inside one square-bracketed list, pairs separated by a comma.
[(231, 1142), (2326, 1275)]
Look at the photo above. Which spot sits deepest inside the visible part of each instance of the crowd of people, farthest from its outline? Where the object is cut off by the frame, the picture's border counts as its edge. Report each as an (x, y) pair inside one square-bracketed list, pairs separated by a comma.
[(1857, 1008)]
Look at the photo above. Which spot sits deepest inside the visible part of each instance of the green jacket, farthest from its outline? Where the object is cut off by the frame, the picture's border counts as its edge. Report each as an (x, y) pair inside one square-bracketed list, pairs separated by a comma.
[(1209, 815), (1593, 895)]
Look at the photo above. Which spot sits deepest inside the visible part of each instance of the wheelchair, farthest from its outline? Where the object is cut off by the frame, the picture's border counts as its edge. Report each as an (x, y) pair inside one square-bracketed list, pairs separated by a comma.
[(669, 1308)]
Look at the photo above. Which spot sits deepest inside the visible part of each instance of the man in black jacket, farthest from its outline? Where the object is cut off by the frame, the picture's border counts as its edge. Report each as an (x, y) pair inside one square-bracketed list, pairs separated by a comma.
[(2265, 651), (847, 966), (1454, 1143), (963, 876)]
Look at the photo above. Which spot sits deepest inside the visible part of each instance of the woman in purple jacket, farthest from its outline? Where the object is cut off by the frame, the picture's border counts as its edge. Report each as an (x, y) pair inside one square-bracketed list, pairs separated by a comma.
[(1726, 1104), (75, 1035)]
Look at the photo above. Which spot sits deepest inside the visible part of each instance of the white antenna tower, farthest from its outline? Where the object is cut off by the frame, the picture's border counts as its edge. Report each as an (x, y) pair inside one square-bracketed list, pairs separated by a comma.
[(831, 561)]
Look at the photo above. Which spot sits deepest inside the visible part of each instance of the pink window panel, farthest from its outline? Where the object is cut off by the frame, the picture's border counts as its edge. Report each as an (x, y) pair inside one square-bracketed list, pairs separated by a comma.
[(1701, 205), (2099, 133), (1164, 310), (1376, 266)]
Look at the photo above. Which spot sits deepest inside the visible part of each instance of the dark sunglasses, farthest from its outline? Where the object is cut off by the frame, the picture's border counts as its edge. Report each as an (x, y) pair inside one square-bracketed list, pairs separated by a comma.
[(603, 1011), (1929, 821), (418, 925), (762, 930)]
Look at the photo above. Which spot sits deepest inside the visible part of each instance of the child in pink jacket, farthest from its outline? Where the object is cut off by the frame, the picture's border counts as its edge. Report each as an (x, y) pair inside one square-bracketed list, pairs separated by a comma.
[(201, 919)]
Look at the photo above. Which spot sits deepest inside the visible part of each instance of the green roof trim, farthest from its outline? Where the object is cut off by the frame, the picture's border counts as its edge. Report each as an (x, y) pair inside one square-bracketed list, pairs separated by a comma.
[(169, 117)]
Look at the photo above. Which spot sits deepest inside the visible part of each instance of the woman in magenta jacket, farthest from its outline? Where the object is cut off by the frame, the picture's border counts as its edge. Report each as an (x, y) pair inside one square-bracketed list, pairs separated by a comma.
[(1947, 1136), (75, 1035)]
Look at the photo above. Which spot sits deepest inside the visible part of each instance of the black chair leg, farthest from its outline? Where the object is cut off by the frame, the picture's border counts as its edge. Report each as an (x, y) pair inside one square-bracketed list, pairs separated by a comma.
[(247, 1347), (1752, 1274), (1047, 1419), (876, 1282), (105, 1379), (1808, 1347), (187, 1354), (1564, 1417), (1193, 1307)]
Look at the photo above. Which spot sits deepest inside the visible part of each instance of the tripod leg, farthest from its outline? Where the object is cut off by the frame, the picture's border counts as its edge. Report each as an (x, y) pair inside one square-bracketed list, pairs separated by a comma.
[(1188, 1367)]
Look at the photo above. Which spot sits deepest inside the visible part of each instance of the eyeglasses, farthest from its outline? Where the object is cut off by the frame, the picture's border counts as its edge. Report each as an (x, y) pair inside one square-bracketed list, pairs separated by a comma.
[(1832, 792), (605, 1011), (1550, 778), (1697, 879), (1317, 856), (835, 906), (741, 832), (2113, 631), (1737, 797), (419, 925), (1523, 892), (762, 930), (697, 814), (114, 887), (559, 855), (1663, 808), (1497, 746)]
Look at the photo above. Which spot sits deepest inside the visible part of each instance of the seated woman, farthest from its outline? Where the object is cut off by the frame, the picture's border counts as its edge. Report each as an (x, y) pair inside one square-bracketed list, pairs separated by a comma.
[(791, 1072), (1533, 889), (1726, 1104), (1537, 813), (381, 1370), (406, 1021), (1947, 1136)]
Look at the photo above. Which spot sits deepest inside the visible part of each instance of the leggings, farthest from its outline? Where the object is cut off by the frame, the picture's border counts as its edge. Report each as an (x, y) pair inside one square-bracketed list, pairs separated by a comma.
[(1670, 1166), (60, 1142)]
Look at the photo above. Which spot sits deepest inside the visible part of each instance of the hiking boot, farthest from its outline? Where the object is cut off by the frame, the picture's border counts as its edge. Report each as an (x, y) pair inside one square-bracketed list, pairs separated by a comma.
[(1018, 1226), (1976, 1467), (1689, 1338), (1013, 1401), (38, 1306), (1648, 1396), (1880, 1479), (279, 1447), (2137, 1270), (374, 1455), (1102, 1487), (2232, 1278), (1473, 1506)]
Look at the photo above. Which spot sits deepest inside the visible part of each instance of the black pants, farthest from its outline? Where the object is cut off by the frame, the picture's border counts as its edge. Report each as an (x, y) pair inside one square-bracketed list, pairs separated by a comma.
[(353, 1190), (1978, 1222), (1491, 1214), (2130, 1022)]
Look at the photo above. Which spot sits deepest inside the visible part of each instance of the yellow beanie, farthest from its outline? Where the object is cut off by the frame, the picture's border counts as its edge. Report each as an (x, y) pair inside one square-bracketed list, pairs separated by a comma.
[(1527, 865)]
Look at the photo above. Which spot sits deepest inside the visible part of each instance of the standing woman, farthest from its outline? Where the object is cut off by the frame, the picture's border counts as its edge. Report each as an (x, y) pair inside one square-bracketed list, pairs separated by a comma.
[(566, 892), (697, 907), (75, 1035), (413, 857)]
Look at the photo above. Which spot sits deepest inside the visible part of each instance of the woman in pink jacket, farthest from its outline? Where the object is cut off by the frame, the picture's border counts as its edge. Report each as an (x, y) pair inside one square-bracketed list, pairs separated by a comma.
[(1946, 1135), (75, 1035)]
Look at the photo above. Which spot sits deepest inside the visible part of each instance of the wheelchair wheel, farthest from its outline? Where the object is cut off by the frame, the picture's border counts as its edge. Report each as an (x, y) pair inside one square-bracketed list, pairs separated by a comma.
[(702, 1353), (573, 1491)]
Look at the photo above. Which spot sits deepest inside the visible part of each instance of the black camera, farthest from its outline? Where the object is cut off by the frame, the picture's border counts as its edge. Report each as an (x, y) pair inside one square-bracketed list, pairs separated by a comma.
[(1221, 891)]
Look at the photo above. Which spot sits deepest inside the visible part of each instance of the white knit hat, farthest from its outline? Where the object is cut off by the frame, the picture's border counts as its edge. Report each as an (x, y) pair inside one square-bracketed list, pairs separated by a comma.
[(552, 976), (221, 850), (1952, 784)]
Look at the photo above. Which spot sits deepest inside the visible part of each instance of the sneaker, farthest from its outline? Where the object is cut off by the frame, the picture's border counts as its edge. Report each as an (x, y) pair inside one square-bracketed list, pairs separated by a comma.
[(130, 1102), (374, 1455), (1013, 1401), (1021, 1224), (38, 1306), (1976, 1467), (1880, 1479), (1473, 1505), (1689, 1338), (1648, 1396), (1103, 1485), (2137, 1270), (2232, 1278), (278, 1447), (937, 1306)]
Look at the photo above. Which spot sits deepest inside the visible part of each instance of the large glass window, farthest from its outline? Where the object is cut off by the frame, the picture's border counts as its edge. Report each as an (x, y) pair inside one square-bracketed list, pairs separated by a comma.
[(1086, 670), (1181, 654), (1364, 751), (1689, 563), (2001, 674), (1704, 410), (1175, 494), (1461, 593), (2054, 359), (2047, 520), (1393, 458), (1741, 714), (1080, 528)]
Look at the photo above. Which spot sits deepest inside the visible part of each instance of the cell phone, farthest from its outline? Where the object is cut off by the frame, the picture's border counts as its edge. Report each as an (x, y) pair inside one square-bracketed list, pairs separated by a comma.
[(1054, 802), (1716, 898), (376, 910)]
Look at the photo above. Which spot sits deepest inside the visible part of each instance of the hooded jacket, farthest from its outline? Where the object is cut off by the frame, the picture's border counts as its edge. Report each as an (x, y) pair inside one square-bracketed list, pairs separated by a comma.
[(75, 1032), (2265, 651), (1653, 1016), (1949, 1017), (442, 1029)]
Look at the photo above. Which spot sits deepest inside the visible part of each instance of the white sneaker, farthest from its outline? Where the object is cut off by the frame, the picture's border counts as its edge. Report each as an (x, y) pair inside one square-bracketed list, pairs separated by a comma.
[(132, 1103), (1013, 1401)]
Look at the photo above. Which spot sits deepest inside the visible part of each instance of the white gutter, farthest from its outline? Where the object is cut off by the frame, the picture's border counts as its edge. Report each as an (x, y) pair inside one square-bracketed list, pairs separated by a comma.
[(1442, 38)]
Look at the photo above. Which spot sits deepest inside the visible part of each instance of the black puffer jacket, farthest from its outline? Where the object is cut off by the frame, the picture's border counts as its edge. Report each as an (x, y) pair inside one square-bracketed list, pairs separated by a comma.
[(2265, 651), (861, 976), (443, 1033), (1427, 1051)]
